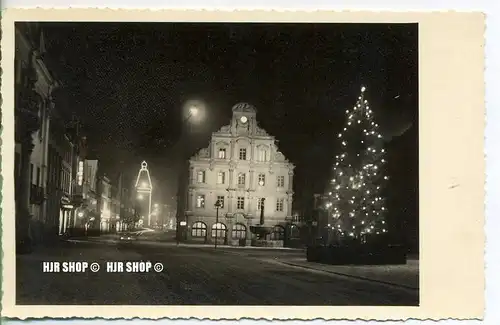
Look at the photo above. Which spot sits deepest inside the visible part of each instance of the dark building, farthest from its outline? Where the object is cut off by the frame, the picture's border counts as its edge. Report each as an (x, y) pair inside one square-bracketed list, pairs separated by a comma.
[(125, 185), (35, 86)]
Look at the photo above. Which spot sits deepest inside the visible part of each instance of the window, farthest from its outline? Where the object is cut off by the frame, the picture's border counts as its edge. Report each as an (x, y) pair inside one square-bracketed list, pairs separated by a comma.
[(240, 203), (260, 203), (219, 230), (239, 231), (221, 178), (200, 201), (262, 154), (243, 154), (221, 201), (199, 229), (222, 153), (279, 205), (262, 179), (200, 178), (281, 181), (241, 179), (278, 233)]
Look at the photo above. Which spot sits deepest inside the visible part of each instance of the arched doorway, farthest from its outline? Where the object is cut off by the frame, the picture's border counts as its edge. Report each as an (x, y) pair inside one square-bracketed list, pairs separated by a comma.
[(239, 231)]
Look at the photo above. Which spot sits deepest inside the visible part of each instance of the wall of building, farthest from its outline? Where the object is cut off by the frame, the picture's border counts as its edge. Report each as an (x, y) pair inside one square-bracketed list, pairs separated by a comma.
[(105, 204), (241, 165)]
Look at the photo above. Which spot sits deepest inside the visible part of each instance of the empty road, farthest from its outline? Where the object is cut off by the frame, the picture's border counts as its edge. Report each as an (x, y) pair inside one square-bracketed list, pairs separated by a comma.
[(190, 276)]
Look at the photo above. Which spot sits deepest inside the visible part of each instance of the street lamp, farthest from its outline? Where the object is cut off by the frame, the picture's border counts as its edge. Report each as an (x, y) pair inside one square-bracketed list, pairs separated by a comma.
[(193, 110), (217, 206), (140, 197)]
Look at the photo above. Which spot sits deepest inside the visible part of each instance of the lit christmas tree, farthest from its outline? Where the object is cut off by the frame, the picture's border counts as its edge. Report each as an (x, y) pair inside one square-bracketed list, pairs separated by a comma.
[(354, 195)]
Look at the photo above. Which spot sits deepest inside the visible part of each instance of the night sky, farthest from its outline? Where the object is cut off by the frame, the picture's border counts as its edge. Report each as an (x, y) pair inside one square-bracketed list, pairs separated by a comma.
[(128, 82)]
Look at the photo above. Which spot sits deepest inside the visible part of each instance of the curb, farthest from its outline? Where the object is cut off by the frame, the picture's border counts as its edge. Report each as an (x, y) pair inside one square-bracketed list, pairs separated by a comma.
[(352, 276)]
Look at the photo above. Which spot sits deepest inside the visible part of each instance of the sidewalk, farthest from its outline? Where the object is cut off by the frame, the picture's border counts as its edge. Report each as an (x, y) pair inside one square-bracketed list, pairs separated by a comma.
[(406, 276)]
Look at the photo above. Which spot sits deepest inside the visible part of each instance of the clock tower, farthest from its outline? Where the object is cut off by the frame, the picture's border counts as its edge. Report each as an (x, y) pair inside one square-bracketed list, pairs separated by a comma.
[(243, 122)]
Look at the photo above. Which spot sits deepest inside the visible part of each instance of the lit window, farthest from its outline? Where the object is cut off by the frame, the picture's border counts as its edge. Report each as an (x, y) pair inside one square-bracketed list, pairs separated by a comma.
[(222, 153), (221, 201), (221, 178), (262, 179), (201, 176), (279, 205), (200, 201), (219, 230), (243, 154), (281, 181), (240, 203), (239, 231), (199, 229), (241, 179)]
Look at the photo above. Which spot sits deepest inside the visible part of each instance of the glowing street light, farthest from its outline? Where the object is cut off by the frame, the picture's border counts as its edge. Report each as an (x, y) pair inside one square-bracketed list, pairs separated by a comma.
[(193, 110)]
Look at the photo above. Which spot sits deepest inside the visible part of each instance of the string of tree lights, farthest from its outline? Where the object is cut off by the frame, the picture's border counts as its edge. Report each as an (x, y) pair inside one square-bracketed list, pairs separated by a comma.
[(354, 195)]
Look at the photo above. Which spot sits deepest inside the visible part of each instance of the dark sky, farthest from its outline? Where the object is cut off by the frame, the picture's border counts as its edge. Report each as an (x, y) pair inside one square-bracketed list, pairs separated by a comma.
[(128, 82)]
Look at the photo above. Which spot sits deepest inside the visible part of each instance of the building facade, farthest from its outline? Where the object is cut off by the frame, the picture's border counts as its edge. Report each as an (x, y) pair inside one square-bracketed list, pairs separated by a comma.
[(243, 170), (104, 202), (115, 208), (126, 203), (88, 214), (34, 88), (60, 177)]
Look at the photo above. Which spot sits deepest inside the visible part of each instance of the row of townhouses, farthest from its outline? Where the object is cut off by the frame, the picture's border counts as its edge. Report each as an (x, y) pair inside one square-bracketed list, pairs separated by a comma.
[(57, 188)]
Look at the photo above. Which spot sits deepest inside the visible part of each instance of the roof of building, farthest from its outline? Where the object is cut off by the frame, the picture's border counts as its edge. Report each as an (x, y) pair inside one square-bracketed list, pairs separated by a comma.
[(244, 108)]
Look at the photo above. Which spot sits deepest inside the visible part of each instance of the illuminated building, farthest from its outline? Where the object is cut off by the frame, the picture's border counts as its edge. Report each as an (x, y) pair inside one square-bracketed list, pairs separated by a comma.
[(241, 166), (144, 192)]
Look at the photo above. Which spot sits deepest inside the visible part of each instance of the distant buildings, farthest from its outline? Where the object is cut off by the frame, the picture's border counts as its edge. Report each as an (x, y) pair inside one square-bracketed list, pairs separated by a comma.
[(242, 169)]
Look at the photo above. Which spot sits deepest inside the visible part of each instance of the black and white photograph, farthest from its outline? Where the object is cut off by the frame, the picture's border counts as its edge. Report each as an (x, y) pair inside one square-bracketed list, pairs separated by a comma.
[(197, 163)]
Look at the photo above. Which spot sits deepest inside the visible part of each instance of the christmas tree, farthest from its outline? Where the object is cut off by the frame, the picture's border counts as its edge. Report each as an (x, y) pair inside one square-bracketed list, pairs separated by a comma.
[(354, 197)]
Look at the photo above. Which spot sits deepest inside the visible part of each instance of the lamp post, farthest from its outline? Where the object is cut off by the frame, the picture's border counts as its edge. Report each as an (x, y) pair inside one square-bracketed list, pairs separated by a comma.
[(217, 206)]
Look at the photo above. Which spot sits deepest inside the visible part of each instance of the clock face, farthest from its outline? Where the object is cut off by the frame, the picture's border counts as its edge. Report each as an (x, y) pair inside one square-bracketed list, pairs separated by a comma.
[(243, 119)]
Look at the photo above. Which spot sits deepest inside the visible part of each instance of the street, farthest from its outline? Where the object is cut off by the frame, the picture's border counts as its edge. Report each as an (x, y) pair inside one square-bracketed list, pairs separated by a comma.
[(191, 276)]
